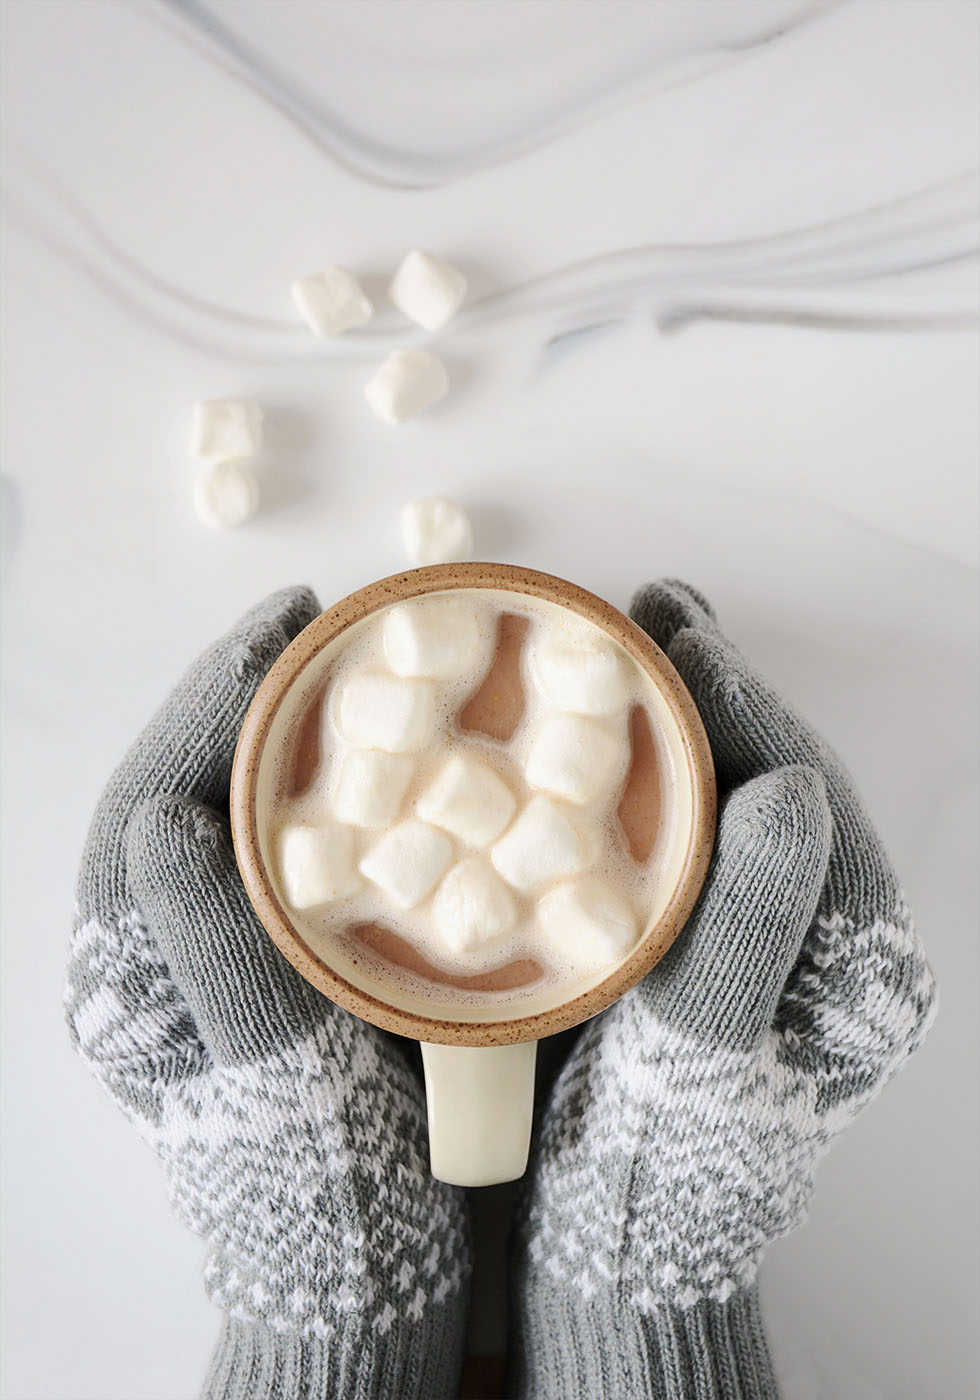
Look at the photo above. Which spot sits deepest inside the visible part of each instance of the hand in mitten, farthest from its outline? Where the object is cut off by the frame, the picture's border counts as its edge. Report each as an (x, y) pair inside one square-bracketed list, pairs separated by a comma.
[(682, 1135), (292, 1133)]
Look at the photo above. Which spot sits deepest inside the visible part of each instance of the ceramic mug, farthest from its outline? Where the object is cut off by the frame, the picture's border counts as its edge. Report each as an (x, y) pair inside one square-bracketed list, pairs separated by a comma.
[(479, 1062)]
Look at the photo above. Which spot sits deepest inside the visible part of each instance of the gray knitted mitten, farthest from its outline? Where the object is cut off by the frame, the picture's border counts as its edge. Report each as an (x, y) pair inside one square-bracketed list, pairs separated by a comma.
[(293, 1134), (682, 1135)]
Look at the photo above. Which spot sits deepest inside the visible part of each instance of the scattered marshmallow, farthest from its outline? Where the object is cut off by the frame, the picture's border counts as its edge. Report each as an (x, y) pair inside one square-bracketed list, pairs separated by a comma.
[(408, 382), (580, 671), (431, 637), (377, 711), (331, 302), (436, 531), (226, 430), (468, 800), (371, 786), (427, 289), (226, 495), (573, 758), (408, 861), (542, 845), (472, 907), (316, 864), (587, 921)]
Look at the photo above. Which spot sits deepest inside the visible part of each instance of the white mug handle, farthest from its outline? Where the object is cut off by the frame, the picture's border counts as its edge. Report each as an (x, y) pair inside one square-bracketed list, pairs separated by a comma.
[(480, 1099)]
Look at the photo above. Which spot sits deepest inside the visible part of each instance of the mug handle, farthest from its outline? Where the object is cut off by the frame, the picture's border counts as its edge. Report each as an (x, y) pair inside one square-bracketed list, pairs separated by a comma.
[(480, 1100)]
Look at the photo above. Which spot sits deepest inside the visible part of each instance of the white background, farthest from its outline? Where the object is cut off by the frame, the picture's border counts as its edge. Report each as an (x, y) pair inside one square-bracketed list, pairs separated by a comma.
[(722, 327)]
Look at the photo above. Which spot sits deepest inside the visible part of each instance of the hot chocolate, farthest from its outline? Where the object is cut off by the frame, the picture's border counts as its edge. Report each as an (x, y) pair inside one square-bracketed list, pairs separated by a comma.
[(472, 803)]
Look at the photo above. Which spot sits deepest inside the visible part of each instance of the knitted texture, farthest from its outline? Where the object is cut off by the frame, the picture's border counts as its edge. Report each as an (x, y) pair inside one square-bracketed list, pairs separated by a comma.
[(293, 1134), (609, 1348), (682, 1135)]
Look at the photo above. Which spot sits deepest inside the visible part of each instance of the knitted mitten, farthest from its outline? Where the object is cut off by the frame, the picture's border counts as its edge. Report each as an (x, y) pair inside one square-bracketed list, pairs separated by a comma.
[(293, 1134), (682, 1135)]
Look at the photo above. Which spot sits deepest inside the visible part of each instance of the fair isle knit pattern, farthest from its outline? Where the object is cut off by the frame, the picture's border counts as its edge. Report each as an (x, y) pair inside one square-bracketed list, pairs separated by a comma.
[(683, 1134), (292, 1134), (260, 1156), (126, 1017), (728, 1138)]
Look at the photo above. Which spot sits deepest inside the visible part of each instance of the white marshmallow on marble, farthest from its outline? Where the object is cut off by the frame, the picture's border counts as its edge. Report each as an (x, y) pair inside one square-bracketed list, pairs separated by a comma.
[(375, 710), (436, 531), (541, 846), (472, 907), (581, 671), (331, 302), (427, 289), (226, 495), (587, 921), (431, 637), (226, 430), (469, 800), (371, 787), (408, 861), (409, 382), (316, 864), (573, 758)]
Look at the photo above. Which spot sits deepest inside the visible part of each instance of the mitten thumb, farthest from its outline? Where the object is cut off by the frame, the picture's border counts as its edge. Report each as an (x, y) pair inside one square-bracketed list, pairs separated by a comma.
[(721, 980), (246, 999)]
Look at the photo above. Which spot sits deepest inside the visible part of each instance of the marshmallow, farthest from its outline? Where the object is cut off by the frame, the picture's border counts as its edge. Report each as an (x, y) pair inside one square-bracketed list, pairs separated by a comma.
[(436, 531), (541, 846), (226, 430), (370, 787), (316, 864), (408, 382), (472, 907), (431, 637), (226, 495), (378, 711), (587, 921), (580, 671), (331, 302), (408, 861), (468, 800), (427, 289), (573, 758)]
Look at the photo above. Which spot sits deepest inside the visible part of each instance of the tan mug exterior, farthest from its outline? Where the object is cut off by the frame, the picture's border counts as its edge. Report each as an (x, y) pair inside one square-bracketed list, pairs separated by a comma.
[(479, 1074)]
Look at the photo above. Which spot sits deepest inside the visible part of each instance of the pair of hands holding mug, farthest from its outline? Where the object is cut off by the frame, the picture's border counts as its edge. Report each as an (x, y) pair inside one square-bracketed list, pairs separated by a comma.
[(679, 1140)]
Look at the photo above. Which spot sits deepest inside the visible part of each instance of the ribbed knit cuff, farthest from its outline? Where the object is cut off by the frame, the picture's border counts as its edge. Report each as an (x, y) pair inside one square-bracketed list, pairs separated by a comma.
[(563, 1347), (412, 1361)]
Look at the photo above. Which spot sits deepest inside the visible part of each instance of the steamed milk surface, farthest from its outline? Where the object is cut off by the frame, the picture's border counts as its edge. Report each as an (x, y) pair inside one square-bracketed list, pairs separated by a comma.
[(481, 854)]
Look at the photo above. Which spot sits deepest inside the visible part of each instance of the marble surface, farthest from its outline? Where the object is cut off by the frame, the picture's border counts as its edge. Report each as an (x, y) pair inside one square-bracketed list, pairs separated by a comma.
[(722, 326)]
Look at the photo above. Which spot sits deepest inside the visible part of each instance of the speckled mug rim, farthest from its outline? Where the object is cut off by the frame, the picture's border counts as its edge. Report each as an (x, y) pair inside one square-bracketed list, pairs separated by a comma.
[(287, 670)]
